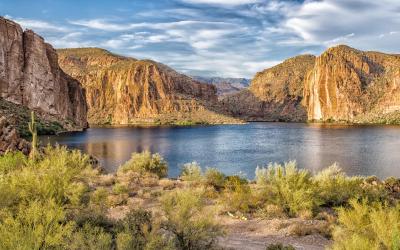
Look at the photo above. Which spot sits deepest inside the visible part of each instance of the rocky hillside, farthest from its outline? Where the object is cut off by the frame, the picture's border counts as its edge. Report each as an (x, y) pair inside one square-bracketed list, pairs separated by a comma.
[(225, 86), (122, 90), (275, 94), (30, 76), (350, 85)]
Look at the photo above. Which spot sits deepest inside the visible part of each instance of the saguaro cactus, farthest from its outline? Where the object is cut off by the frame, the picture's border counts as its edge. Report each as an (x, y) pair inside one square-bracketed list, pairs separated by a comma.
[(33, 130)]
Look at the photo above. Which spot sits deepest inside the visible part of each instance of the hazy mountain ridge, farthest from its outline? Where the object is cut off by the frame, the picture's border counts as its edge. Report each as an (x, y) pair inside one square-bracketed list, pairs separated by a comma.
[(225, 85)]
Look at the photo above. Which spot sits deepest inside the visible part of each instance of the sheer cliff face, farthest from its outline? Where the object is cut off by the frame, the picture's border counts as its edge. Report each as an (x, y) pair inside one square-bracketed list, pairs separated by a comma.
[(30, 76), (275, 94), (123, 90), (351, 85)]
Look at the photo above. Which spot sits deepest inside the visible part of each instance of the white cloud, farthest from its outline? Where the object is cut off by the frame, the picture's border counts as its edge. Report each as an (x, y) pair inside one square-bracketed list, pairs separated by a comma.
[(38, 25), (358, 23)]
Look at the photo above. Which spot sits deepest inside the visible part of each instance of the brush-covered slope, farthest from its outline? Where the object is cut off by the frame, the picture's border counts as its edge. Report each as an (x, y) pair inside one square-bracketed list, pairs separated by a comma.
[(275, 94), (350, 85), (122, 90), (30, 76)]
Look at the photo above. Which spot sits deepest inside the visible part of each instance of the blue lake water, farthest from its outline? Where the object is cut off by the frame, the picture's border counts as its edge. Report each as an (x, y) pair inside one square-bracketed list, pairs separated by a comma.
[(359, 150)]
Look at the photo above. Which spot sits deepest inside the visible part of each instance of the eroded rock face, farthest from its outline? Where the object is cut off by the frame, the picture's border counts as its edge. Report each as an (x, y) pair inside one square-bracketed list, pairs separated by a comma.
[(122, 90), (275, 94), (351, 85), (30, 76), (10, 139)]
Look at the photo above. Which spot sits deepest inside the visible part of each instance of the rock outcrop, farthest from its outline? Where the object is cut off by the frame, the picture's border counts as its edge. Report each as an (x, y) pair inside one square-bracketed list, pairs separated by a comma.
[(122, 90), (353, 86), (275, 94), (30, 76), (10, 139)]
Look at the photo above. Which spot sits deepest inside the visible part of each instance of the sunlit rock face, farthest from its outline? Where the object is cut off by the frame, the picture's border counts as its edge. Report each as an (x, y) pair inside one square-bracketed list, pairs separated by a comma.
[(122, 90), (30, 76), (346, 84), (275, 94)]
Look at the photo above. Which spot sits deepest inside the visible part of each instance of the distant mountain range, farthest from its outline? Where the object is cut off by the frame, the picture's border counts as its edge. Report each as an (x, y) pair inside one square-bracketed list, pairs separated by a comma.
[(225, 86)]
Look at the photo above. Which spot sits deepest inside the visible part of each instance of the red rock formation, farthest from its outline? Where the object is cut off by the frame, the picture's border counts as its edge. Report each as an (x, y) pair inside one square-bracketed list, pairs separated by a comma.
[(122, 90), (30, 76), (351, 85), (275, 94)]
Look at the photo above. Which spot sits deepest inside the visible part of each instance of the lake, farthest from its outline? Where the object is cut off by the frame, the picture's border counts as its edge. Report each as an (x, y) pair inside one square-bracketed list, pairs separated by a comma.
[(359, 150)]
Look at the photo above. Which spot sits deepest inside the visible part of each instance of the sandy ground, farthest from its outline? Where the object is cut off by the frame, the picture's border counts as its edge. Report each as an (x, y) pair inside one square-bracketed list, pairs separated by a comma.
[(257, 234), (251, 234)]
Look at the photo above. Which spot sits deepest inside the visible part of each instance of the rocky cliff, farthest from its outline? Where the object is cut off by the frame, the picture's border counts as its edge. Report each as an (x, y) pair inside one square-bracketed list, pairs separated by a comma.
[(350, 85), (122, 90), (275, 94), (30, 76)]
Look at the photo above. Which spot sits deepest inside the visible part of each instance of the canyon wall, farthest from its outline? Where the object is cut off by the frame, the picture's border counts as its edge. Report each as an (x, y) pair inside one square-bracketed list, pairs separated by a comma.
[(30, 76), (350, 85), (122, 90), (275, 94)]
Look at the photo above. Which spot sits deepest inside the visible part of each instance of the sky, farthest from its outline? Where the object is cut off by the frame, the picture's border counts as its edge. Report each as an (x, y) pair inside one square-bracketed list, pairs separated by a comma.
[(226, 38)]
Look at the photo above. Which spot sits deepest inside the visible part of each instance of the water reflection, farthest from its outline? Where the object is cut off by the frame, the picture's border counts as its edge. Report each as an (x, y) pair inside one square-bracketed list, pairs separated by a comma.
[(365, 150)]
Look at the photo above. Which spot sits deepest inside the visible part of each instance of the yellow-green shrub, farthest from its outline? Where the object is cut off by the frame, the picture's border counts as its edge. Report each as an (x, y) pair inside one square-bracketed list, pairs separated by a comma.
[(334, 188), (35, 225), (91, 238), (191, 172), (11, 161), (146, 162), (213, 177), (288, 187), (367, 226), (237, 194), (188, 220)]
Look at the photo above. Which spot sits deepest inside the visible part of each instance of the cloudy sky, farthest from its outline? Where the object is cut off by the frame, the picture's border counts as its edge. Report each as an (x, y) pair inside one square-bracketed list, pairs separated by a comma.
[(229, 38)]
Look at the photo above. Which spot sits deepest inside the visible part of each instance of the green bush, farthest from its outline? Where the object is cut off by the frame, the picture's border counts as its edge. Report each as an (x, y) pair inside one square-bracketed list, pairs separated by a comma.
[(146, 162), (120, 189), (191, 172), (367, 226), (91, 238), (237, 195), (288, 187), (11, 161), (188, 220), (335, 188), (134, 231), (213, 177), (35, 225)]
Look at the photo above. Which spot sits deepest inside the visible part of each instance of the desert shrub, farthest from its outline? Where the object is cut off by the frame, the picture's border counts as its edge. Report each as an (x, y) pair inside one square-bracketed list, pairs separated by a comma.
[(120, 189), (134, 231), (11, 161), (367, 226), (288, 187), (91, 238), (261, 176), (237, 195), (280, 246), (35, 225), (77, 193), (335, 188), (146, 162), (191, 172), (213, 177), (188, 220), (55, 175)]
